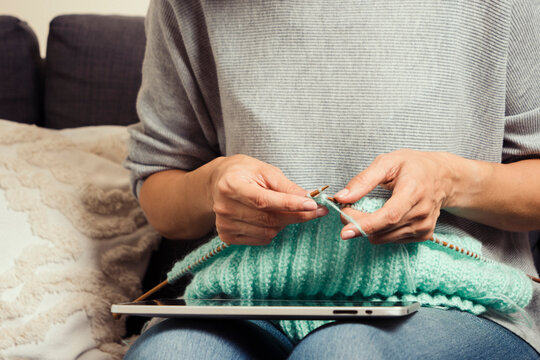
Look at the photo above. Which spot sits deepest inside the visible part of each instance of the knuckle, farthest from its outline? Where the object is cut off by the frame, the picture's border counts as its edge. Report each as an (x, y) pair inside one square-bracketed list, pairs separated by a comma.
[(392, 216), (219, 222), (385, 159), (220, 209), (225, 226), (380, 158), (277, 171), (291, 187), (239, 157), (359, 180), (368, 228), (224, 185), (221, 226), (425, 227), (436, 214), (424, 212), (288, 203), (264, 218), (403, 151), (409, 232), (270, 233), (260, 201)]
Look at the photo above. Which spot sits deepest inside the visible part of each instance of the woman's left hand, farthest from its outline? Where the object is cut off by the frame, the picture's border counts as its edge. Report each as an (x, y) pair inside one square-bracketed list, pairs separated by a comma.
[(421, 184)]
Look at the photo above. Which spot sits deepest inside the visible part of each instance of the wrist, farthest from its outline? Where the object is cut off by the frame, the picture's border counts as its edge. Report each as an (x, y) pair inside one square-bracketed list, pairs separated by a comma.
[(212, 170), (468, 179)]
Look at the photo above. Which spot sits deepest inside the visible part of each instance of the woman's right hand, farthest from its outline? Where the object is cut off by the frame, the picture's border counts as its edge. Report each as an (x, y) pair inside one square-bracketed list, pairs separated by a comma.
[(253, 201)]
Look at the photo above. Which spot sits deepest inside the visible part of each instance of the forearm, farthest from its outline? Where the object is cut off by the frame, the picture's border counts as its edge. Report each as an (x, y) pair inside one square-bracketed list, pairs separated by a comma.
[(179, 203), (505, 196)]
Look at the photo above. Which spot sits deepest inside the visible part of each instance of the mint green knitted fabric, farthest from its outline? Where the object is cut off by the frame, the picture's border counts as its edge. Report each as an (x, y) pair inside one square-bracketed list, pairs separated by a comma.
[(310, 260)]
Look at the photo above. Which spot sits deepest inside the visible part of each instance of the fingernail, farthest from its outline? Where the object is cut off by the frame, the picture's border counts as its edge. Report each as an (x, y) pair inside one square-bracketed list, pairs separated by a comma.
[(310, 205), (342, 193), (322, 211), (347, 234)]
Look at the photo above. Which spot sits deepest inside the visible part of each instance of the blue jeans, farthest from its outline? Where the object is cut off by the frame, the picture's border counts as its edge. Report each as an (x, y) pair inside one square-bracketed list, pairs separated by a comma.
[(430, 334)]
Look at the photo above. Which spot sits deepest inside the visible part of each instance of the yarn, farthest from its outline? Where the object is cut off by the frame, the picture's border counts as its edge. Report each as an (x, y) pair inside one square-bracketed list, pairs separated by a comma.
[(310, 261), (323, 199)]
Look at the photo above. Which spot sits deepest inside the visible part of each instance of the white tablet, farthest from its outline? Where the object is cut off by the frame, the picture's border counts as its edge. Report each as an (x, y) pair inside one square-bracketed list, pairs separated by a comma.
[(266, 309)]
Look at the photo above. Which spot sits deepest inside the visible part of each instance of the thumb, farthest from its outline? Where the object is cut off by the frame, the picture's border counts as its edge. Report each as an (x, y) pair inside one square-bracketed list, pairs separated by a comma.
[(359, 186)]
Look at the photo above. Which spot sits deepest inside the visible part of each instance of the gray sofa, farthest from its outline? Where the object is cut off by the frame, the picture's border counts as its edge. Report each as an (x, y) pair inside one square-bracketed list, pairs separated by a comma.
[(90, 76)]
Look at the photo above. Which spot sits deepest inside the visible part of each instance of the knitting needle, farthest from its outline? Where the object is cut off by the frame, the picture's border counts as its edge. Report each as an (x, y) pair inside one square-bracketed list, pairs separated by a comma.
[(318, 191), (145, 295), (166, 282)]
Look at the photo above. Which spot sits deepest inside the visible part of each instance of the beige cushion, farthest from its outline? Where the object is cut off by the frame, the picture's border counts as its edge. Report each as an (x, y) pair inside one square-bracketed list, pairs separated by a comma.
[(73, 241)]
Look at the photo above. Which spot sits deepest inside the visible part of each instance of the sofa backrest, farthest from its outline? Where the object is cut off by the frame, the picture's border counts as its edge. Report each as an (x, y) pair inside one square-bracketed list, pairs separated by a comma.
[(20, 75), (93, 70)]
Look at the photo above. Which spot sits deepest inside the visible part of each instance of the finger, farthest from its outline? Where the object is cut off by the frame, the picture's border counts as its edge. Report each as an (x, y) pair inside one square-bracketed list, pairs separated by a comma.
[(234, 229), (235, 210), (380, 171), (402, 235), (277, 181), (243, 240), (287, 218), (260, 198), (391, 216), (393, 213), (350, 230)]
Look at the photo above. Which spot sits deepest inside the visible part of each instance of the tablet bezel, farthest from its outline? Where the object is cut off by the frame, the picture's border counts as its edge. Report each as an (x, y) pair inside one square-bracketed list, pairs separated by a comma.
[(267, 309)]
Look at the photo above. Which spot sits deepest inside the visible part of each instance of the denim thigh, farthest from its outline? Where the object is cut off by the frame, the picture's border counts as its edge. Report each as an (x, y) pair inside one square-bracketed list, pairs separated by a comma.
[(211, 339), (429, 334)]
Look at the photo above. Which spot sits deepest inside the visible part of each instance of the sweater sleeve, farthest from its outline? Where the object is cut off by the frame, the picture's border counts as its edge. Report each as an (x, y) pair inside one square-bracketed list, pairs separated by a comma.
[(175, 129), (522, 124)]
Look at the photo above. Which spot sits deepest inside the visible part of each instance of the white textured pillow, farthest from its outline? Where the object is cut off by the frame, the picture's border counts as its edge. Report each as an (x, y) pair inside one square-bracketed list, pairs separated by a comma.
[(73, 241)]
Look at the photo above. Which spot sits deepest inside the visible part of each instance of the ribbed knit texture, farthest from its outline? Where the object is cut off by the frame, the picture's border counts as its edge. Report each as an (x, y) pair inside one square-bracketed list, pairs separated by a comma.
[(310, 260), (320, 88)]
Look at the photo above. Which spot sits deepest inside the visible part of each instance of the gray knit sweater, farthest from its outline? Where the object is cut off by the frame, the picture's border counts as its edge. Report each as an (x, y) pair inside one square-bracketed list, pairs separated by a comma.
[(320, 88)]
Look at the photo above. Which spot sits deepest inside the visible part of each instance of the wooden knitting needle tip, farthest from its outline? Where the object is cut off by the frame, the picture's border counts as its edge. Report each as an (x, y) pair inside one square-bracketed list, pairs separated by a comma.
[(318, 191), (146, 294)]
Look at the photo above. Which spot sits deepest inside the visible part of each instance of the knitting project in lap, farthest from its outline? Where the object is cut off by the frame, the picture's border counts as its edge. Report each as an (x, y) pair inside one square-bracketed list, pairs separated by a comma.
[(310, 261)]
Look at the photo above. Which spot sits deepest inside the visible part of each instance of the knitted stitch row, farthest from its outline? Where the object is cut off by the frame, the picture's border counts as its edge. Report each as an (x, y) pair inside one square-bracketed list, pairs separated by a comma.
[(310, 261)]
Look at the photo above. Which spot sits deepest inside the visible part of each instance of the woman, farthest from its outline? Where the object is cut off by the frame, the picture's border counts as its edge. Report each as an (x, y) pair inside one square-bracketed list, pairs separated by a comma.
[(245, 106)]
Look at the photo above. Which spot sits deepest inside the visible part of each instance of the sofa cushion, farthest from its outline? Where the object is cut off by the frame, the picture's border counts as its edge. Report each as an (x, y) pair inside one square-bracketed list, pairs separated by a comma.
[(73, 241), (20, 63), (93, 70)]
